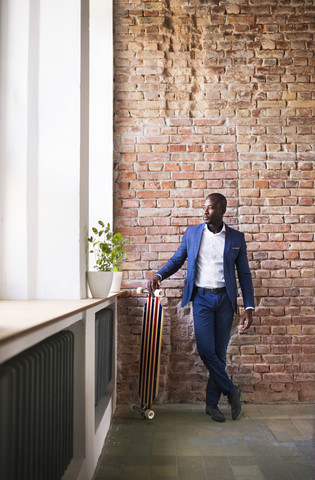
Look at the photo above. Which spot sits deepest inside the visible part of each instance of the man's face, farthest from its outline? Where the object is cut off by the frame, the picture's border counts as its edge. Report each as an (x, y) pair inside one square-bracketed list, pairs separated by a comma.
[(212, 211)]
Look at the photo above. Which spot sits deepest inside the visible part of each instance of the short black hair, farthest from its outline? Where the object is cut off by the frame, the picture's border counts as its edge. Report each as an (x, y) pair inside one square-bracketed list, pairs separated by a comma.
[(220, 199)]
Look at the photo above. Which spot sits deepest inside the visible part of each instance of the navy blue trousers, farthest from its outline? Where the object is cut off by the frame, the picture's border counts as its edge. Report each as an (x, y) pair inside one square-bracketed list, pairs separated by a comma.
[(213, 318)]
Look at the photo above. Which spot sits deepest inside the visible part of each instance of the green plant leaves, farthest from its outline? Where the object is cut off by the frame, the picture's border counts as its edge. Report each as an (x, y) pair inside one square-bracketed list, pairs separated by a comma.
[(109, 250)]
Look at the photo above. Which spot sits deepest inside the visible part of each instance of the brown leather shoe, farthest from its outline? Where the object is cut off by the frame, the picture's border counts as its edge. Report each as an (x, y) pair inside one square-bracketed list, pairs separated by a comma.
[(235, 402), (215, 413)]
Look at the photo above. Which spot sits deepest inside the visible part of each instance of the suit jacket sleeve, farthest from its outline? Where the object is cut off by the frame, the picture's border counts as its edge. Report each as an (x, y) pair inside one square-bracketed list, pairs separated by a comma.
[(176, 261), (244, 276)]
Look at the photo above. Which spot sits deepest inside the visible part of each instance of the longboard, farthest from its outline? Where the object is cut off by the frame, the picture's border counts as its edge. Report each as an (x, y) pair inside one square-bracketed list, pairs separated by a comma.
[(151, 340)]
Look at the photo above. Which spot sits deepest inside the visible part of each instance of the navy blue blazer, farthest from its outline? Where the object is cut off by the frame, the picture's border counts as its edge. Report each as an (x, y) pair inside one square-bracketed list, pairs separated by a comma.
[(235, 255)]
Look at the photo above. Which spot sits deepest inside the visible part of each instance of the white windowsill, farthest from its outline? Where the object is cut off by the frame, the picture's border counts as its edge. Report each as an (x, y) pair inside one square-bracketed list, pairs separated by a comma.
[(18, 317)]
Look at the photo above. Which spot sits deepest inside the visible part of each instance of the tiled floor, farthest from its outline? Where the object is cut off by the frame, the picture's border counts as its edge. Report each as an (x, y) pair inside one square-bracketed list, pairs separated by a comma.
[(268, 442)]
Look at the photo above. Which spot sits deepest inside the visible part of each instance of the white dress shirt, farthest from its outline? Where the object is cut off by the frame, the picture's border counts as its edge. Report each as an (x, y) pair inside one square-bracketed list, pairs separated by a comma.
[(209, 264)]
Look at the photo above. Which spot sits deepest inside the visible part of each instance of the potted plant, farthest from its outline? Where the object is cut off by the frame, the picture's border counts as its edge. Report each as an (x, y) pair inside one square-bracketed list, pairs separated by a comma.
[(109, 250)]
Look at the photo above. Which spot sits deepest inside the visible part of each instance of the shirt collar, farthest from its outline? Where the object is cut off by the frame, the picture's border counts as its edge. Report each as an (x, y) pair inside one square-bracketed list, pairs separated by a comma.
[(221, 232)]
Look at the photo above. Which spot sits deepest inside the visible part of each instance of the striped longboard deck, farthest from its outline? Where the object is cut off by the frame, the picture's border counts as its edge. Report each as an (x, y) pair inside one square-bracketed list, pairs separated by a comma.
[(151, 340)]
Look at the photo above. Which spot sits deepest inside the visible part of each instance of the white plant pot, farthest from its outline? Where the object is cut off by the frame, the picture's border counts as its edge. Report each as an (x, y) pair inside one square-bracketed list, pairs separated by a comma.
[(100, 283), (116, 283)]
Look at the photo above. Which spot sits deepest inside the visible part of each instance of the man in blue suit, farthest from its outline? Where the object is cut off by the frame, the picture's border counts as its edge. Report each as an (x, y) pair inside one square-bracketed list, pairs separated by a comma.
[(213, 250)]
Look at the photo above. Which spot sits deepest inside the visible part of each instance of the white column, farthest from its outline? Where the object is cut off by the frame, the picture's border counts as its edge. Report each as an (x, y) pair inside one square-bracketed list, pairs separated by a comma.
[(44, 148), (14, 35), (101, 112), (60, 145)]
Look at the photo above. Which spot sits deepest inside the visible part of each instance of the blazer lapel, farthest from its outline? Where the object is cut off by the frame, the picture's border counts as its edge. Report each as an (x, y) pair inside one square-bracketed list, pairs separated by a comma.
[(227, 245), (197, 239)]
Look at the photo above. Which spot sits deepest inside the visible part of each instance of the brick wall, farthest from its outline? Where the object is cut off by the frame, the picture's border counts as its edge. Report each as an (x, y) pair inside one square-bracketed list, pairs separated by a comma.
[(218, 96)]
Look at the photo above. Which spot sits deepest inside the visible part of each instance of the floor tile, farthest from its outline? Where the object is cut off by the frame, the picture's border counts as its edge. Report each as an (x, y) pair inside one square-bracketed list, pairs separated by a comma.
[(307, 449), (220, 472), (273, 468), (285, 430), (166, 447), (192, 473), (109, 473), (286, 449), (269, 442), (139, 449), (189, 451), (215, 460), (163, 460), (306, 427), (242, 461), (192, 461), (210, 433), (137, 472), (213, 449), (137, 460), (260, 449), (187, 439), (249, 472), (163, 472), (237, 448), (301, 472), (117, 449), (112, 461)]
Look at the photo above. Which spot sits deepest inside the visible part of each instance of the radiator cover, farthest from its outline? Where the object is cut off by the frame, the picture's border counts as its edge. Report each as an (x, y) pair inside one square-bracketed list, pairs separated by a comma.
[(104, 328), (36, 410)]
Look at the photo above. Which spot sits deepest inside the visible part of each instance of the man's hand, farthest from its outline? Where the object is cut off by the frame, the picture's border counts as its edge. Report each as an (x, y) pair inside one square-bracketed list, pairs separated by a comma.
[(153, 283), (246, 320)]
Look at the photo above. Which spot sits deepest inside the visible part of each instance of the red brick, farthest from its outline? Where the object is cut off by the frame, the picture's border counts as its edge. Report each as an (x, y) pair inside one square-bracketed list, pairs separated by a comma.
[(186, 123)]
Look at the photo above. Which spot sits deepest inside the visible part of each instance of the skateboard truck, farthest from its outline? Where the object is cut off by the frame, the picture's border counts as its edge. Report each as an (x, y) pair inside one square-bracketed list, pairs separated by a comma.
[(145, 412), (157, 293)]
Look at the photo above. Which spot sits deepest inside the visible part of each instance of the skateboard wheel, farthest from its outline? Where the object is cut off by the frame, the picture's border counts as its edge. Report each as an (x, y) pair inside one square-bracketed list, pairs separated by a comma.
[(149, 414), (140, 290), (158, 293)]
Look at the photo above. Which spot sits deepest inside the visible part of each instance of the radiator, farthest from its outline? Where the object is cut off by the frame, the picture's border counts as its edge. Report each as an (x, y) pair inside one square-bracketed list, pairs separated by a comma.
[(104, 323), (36, 411)]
